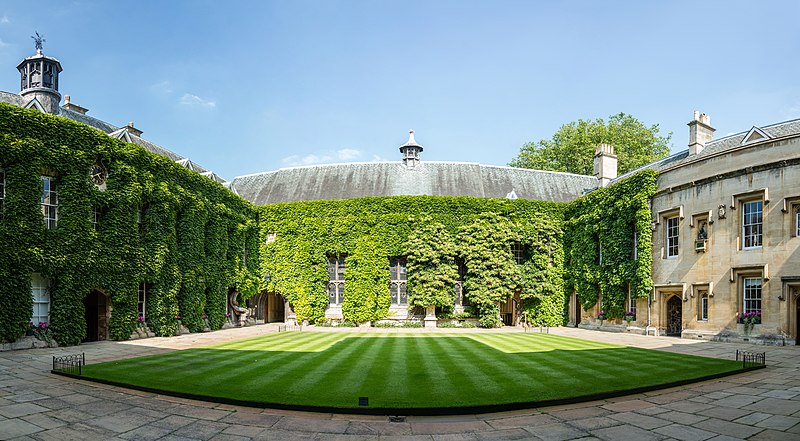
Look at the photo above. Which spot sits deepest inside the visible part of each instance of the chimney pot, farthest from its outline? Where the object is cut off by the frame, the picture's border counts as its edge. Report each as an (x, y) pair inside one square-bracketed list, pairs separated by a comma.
[(700, 132)]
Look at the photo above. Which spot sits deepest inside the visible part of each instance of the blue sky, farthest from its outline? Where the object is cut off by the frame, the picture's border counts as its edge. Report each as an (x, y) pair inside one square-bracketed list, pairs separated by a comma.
[(242, 87)]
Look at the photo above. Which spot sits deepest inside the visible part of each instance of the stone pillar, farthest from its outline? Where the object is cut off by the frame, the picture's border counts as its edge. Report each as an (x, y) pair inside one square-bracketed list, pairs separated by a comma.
[(430, 317)]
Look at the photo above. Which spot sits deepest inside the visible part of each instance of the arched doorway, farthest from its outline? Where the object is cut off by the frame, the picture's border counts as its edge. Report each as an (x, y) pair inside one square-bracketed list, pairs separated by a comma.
[(674, 316), (276, 308), (97, 310)]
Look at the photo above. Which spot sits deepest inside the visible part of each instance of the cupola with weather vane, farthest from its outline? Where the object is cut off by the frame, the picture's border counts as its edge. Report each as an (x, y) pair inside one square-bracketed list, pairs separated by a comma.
[(39, 79)]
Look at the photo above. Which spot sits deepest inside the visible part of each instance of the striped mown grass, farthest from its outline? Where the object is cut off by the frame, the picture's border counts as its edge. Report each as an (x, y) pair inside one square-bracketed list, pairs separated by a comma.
[(404, 371)]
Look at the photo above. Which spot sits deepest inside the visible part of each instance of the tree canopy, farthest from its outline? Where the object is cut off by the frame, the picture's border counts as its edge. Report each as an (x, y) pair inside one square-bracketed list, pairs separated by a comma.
[(572, 147)]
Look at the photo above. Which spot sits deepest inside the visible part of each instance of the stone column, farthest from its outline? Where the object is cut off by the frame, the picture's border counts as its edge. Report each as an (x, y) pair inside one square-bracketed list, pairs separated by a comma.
[(430, 317)]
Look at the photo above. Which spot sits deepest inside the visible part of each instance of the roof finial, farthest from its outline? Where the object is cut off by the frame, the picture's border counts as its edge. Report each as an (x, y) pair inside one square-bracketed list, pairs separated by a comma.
[(411, 137), (38, 40)]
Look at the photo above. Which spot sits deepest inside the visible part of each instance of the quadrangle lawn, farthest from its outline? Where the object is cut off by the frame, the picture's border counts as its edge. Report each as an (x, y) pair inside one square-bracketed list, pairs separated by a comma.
[(405, 371)]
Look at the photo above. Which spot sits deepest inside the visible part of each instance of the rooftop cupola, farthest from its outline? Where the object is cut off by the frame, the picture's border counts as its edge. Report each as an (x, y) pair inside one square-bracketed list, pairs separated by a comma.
[(700, 132), (39, 78), (410, 151)]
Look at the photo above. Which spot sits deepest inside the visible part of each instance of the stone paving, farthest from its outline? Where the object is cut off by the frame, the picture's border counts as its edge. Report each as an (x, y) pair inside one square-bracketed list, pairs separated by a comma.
[(37, 405)]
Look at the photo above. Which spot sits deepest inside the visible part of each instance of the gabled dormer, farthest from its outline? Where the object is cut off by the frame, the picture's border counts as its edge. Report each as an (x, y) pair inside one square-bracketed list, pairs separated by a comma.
[(755, 135), (35, 104)]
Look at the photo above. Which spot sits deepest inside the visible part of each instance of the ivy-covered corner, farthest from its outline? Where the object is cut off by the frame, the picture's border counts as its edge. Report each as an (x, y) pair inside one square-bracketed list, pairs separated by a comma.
[(608, 244), (152, 222)]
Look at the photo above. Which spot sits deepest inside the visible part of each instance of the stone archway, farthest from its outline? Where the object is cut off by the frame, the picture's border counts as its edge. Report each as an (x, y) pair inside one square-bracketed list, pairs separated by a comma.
[(97, 310), (674, 316)]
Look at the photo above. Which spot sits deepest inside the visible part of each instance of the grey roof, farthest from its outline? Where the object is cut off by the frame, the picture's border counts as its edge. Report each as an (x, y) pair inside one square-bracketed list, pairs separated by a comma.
[(777, 130), (354, 180)]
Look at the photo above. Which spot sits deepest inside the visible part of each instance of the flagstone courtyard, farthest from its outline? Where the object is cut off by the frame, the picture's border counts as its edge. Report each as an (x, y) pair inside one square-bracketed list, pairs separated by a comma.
[(759, 405)]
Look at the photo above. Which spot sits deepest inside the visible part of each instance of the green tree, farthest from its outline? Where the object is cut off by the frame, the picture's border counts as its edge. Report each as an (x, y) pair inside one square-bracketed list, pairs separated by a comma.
[(572, 147)]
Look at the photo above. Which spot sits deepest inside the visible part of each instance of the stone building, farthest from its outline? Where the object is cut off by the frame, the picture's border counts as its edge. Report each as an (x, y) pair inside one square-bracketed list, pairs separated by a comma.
[(725, 218), (726, 238)]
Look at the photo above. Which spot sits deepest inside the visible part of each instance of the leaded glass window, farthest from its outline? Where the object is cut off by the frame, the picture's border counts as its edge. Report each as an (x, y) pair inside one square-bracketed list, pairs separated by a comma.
[(336, 280), (461, 298), (142, 303), (397, 284), (704, 307)]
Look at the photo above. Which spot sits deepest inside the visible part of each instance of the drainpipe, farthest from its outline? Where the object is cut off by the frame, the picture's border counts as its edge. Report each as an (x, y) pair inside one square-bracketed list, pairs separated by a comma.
[(649, 302)]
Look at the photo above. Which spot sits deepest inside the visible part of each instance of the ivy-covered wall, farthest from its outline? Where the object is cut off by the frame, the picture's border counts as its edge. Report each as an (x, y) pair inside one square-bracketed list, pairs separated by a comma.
[(188, 244), (602, 229), (191, 240), (561, 243), (431, 232)]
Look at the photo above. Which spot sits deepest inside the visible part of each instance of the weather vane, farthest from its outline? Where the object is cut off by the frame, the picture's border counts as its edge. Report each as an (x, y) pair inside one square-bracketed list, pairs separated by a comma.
[(38, 40)]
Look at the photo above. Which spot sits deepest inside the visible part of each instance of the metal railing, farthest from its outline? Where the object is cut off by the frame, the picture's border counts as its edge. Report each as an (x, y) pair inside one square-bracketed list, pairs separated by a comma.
[(751, 359), (69, 364), (285, 328), (539, 329)]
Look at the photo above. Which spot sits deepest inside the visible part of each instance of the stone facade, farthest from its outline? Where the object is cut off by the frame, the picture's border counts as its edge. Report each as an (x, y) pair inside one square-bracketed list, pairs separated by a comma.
[(708, 256)]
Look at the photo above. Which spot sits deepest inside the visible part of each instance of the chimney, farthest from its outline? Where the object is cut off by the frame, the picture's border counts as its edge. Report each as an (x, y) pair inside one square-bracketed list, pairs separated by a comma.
[(74, 107), (700, 133), (605, 164), (132, 130)]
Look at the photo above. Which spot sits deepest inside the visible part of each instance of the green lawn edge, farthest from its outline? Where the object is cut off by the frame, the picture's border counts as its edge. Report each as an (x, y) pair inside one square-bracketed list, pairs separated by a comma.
[(722, 368)]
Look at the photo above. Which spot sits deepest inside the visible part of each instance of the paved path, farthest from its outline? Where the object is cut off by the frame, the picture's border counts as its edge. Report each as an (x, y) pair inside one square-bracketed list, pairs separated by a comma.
[(34, 404)]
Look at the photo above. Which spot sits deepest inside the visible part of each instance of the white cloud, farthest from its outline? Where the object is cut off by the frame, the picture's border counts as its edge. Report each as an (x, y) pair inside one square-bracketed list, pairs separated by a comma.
[(348, 154), (322, 157), (378, 158), (189, 99), (3, 43), (4, 20)]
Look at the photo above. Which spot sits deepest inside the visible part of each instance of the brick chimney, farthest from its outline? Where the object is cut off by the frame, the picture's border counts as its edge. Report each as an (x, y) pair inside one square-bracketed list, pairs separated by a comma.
[(700, 133), (605, 164)]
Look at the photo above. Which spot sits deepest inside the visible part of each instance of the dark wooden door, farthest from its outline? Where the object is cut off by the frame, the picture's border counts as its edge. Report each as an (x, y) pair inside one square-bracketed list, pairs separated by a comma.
[(674, 316), (577, 310), (96, 315)]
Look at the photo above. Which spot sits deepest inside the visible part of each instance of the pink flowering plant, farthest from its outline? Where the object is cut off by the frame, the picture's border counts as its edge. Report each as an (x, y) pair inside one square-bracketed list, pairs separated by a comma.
[(41, 331), (749, 318), (601, 316), (629, 316)]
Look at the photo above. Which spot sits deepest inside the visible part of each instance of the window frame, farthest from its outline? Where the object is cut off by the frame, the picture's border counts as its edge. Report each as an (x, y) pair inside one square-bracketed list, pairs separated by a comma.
[(703, 307), (668, 238), (518, 251), (141, 300), (744, 293), (49, 202), (42, 287), (336, 279), (398, 281), (746, 223)]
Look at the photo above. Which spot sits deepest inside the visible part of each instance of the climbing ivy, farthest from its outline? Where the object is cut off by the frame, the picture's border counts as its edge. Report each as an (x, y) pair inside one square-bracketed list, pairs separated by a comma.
[(431, 232), (432, 270), (599, 243), (187, 244)]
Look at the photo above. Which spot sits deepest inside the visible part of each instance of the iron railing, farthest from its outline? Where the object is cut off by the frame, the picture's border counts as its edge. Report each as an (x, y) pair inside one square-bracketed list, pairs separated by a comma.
[(69, 364), (751, 359)]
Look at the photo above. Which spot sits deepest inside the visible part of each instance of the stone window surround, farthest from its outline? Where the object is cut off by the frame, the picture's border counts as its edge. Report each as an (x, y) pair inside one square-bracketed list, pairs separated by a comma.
[(791, 205), (738, 276), (737, 203), (662, 217), (701, 291)]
